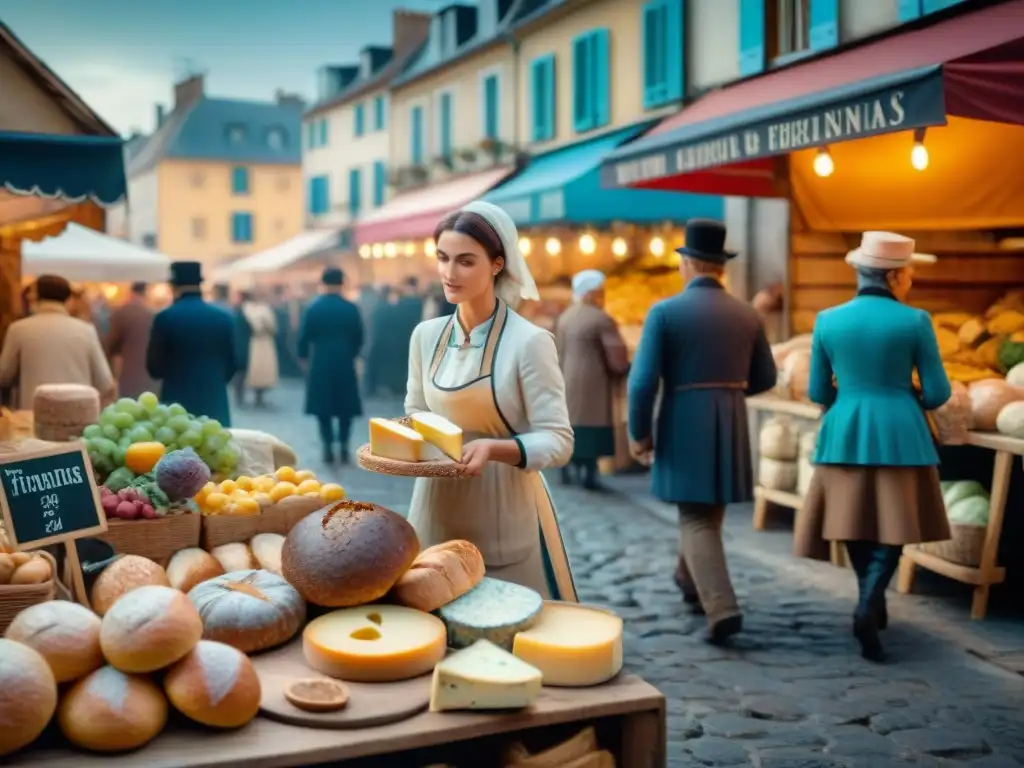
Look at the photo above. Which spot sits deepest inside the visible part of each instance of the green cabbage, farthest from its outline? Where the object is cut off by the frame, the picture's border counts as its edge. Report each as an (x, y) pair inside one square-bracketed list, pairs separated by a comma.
[(1011, 353), (120, 478), (970, 511), (945, 485), (963, 489)]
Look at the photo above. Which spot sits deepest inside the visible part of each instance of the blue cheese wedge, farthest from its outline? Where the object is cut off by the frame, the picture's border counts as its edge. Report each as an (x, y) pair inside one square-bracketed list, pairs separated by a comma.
[(483, 677), (493, 610)]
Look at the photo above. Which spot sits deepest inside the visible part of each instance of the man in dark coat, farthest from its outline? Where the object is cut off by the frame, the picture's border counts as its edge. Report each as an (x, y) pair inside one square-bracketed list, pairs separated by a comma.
[(331, 338), (708, 352), (192, 348)]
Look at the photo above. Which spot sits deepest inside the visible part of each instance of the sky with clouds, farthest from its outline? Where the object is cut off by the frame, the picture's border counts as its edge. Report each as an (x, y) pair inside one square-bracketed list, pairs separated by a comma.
[(123, 56)]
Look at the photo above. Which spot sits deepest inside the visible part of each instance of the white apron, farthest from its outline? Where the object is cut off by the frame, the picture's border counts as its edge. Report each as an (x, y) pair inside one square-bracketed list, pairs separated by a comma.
[(506, 512)]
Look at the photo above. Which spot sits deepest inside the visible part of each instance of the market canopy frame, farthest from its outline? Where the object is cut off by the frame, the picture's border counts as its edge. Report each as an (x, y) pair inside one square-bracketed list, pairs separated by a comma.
[(80, 254)]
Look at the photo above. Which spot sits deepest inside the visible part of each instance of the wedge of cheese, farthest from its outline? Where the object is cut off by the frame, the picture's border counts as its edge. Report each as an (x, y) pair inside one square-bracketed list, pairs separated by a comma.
[(374, 643), (483, 676), (439, 432), (391, 440), (573, 645)]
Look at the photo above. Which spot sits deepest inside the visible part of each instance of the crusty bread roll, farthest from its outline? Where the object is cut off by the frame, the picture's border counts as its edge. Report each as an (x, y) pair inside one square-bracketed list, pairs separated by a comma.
[(249, 610), (440, 574), (122, 576), (215, 685), (349, 553), (66, 634), (7, 568), (149, 628), (109, 711), (36, 571), (234, 557), (266, 548), (28, 695), (191, 566)]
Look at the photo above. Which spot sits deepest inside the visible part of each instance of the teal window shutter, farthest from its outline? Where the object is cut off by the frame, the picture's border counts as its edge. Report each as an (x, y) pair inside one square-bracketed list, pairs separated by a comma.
[(240, 180), (380, 182), (241, 227), (359, 118), (582, 84), (551, 96), (311, 196), (602, 78), (542, 101), (908, 10), (323, 132), (932, 6), (319, 196), (752, 32), (416, 136), (354, 192), (491, 104), (663, 40), (378, 113), (310, 135), (446, 125), (823, 27)]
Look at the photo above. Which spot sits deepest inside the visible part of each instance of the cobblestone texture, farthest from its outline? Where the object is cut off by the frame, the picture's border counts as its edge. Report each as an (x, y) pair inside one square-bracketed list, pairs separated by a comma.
[(791, 692)]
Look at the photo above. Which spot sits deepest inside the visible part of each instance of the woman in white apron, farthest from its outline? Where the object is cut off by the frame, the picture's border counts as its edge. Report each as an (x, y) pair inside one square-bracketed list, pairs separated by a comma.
[(496, 376)]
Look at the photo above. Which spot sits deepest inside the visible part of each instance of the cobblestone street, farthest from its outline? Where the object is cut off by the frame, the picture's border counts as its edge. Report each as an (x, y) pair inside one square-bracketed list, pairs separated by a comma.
[(791, 692)]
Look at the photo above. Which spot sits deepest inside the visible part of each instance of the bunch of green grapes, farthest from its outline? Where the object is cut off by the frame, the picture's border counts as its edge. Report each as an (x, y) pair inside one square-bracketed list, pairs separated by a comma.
[(145, 420)]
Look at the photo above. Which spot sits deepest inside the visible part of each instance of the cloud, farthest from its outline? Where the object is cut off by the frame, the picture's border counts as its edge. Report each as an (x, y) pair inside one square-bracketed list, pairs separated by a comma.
[(123, 95)]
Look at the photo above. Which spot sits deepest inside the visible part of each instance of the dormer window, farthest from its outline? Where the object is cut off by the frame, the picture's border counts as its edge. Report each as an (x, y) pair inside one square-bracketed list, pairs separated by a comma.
[(236, 134), (277, 139)]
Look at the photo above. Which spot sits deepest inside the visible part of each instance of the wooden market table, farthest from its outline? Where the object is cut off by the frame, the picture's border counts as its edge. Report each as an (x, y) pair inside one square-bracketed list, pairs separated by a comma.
[(981, 577), (629, 715)]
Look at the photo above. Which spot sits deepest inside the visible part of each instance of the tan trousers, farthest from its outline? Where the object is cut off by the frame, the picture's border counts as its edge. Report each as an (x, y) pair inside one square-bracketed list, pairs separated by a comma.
[(702, 567)]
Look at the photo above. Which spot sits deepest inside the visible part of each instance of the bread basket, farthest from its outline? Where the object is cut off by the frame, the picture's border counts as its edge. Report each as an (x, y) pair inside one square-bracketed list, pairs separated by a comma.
[(963, 548), (276, 518), (14, 598), (157, 539)]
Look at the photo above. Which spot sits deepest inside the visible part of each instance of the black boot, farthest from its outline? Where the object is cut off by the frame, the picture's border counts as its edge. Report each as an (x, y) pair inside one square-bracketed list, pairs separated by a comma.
[(879, 570), (689, 592), (566, 475), (328, 455), (590, 476)]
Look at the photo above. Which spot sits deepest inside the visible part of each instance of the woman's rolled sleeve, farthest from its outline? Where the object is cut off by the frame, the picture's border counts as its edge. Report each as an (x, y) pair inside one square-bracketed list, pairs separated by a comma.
[(549, 441)]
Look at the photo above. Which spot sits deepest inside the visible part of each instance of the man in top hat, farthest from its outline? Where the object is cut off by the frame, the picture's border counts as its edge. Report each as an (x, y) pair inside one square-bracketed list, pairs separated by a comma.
[(331, 338), (707, 352), (192, 348)]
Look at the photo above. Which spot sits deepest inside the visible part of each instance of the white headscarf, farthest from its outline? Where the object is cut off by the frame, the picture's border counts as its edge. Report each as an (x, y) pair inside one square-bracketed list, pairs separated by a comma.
[(586, 281), (517, 283)]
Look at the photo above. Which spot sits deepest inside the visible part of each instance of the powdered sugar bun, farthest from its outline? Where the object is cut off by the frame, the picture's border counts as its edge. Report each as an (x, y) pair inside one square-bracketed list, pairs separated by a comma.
[(109, 711), (215, 685), (122, 576), (66, 634), (149, 628), (28, 695)]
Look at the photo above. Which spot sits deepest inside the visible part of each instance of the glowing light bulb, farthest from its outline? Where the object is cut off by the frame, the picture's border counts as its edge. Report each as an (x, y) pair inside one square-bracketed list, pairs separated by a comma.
[(919, 156), (390, 250), (588, 244), (377, 250), (553, 246), (525, 246), (619, 248), (430, 248), (823, 165), (657, 246), (364, 252), (410, 250)]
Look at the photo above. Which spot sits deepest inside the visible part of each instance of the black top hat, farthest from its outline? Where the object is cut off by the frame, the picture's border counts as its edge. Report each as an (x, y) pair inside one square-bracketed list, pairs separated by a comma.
[(186, 273), (332, 276), (705, 240)]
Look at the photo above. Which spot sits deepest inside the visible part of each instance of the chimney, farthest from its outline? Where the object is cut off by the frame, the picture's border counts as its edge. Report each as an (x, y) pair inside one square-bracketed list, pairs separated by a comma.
[(285, 99), (409, 30), (159, 116), (188, 91)]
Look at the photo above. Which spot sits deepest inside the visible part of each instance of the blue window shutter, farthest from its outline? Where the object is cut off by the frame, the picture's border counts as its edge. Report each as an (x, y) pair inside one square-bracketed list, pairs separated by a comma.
[(542, 101), (602, 77), (931, 6), (240, 180), (752, 31), (323, 132), (909, 10), (582, 111), (241, 227), (551, 98), (378, 113), (491, 103), (416, 136), (446, 125), (380, 180), (823, 27), (358, 116), (354, 192), (310, 135), (653, 47), (675, 45)]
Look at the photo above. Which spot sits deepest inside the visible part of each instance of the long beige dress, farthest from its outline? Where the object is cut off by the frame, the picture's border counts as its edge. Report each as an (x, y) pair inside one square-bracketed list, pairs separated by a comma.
[(262, 371)]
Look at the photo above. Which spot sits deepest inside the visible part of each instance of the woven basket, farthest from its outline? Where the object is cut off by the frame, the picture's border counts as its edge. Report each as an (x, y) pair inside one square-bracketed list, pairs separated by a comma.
[(157, 539), (278, 518), (14, 598), (964, 548)]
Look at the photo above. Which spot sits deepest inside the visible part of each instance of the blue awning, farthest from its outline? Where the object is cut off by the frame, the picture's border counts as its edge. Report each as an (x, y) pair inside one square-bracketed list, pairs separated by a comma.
[(72, 168), (565, 186)]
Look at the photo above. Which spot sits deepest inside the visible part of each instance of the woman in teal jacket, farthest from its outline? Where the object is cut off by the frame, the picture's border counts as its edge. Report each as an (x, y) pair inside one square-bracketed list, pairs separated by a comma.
[(876, 482)]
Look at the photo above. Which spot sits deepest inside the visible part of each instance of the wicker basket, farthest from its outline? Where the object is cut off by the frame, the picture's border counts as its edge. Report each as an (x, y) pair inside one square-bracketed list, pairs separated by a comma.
[(156, 539), (14, 598), (278, 518), (964, 548)]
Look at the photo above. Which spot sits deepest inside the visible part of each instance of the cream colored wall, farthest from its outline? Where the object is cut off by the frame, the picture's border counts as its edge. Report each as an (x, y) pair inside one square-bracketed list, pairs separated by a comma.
[(187, 191), (26, 107), (343, 152), (465, 82)]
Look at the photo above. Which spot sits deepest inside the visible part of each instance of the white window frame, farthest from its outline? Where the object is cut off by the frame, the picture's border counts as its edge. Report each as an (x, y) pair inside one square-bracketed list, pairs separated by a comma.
[(499, 71)]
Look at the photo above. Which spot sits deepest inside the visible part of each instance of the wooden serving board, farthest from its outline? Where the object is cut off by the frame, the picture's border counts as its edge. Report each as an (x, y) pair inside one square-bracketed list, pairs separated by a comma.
[(442, 467), (369, 704)]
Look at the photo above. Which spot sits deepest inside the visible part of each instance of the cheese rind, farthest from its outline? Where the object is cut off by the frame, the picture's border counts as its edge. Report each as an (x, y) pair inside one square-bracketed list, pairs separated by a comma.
[(374, 643), (573, 645), (439, 432), (391, 440), (493, 610), (483, 677)]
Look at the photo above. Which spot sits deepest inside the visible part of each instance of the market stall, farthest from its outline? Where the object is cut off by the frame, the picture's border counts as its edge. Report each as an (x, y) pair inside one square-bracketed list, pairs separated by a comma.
[(298, 260)]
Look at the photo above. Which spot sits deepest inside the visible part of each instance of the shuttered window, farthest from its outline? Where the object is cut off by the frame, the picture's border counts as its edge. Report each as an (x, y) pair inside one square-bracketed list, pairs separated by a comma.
[(590, 81)]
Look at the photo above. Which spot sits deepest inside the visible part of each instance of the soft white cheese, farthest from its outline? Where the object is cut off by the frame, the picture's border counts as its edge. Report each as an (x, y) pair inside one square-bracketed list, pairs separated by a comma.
[(483, 676)]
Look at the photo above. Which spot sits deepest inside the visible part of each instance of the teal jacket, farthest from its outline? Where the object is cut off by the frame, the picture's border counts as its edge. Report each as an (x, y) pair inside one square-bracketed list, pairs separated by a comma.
[(872, 345)]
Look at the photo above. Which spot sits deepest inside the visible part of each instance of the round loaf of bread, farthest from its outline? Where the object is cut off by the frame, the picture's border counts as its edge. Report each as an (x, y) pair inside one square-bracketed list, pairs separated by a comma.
[(109, 711), (192, 566), (439, 574), (28, 695), (66, 634), (266, 548), (215, 685), (234, 557), (122, 576), (149, 628), (249, 610), (348, 553)]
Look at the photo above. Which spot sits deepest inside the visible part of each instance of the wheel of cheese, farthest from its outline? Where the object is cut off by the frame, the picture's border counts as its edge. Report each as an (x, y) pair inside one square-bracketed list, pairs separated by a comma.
[(122, 576), (493, 610), (215, 685), (61, 411), (249, 610), (374, 643), (573, 645), (192, 566), (109, 711), (149, 628), (350, 553), (66, 634), (28, 695)]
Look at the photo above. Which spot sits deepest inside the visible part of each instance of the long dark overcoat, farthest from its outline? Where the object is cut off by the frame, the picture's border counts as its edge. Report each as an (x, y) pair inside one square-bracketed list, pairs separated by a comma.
[(192, 350), (708, 351), (331, 338)]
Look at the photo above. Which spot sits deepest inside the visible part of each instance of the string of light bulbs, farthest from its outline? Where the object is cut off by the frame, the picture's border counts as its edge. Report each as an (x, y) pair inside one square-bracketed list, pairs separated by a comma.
[(824, 166)]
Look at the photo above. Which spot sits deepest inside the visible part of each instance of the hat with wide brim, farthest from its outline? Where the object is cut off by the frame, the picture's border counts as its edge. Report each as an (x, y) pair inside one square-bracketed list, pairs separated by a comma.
[(886, 250), (705, 241)]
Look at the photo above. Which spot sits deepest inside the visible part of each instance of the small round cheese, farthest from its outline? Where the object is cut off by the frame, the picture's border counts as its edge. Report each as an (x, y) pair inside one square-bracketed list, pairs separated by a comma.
[(66, 634), (28, 695), (215, 685), (573, 645), (109, 711), (493, 610), (149, 628)]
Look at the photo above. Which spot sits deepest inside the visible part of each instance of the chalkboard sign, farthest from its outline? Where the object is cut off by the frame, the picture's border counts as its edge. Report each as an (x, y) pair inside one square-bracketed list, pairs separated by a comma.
[(48, 496)]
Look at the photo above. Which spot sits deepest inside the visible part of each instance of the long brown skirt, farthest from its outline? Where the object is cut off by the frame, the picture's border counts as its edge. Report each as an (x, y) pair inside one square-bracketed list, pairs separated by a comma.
[(890, 505)]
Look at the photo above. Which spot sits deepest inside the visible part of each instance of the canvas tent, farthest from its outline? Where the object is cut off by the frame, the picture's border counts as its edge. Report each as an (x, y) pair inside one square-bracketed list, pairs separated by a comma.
[(81, 254)]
